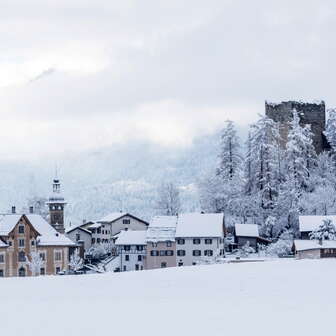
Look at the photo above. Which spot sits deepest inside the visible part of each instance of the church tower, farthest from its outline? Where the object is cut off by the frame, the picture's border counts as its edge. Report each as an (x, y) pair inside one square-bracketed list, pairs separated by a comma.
[(56, 204)]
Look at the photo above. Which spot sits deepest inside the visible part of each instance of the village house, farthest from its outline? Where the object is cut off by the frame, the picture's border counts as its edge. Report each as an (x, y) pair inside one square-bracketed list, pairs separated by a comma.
[(314, 249), (21, 235), (199, 235), (80, 236), (161, 246), (131, 248), (247, 233), (307, 224)]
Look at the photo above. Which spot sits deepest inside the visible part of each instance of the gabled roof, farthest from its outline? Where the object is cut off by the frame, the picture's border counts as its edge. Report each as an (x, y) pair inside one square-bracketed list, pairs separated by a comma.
[(311, 223), (78, 228), (131, 238), (48, 235), (200, 225), (247, 230), (112, 217), (302, 245)]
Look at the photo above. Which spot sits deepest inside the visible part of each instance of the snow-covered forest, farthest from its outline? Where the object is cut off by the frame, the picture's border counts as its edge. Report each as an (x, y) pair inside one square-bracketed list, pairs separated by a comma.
[(268, 183)]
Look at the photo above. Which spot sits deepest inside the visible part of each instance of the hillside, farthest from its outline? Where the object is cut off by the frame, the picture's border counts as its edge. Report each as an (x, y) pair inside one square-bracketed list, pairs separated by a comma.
[(271, 298)]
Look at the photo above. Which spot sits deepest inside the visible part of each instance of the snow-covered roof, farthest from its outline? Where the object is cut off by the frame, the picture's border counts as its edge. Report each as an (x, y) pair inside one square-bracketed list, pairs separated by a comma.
[(157, 234), (2, 244), (302, 245), (112, 217), (70, 229), (163, 222), (48, 235), (311, 223), (94, 226), (247, 230), (200, 225), (131, 238)]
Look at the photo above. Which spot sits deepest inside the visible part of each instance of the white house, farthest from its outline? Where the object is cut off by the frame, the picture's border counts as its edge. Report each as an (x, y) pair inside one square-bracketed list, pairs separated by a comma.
[(80, 236), (198, 235), (131, 247)]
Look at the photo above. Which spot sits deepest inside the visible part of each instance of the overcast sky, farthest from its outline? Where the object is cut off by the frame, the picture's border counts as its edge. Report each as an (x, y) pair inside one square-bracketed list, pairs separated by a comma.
[(82, 74)]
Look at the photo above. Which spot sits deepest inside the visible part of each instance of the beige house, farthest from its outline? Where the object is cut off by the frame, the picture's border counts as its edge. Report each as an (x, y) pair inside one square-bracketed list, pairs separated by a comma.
[(20, 235), (314, 249), (161, 246)]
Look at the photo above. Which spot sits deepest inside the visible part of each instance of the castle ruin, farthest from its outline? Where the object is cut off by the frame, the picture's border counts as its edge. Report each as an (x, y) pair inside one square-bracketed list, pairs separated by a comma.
[(313, 114)]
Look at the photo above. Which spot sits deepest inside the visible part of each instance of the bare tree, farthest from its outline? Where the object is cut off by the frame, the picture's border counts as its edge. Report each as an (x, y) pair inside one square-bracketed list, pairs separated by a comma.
[(76, 262), (168, 202), (35, 263)]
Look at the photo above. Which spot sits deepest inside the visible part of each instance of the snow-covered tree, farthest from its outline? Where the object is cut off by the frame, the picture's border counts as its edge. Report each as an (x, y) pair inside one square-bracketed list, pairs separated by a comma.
[(97, 251), (325, 231), (34, 263), (262, 161), (168, 202), (245, 250), (76, 262), (330, 131), (230, 164), (268, 227)]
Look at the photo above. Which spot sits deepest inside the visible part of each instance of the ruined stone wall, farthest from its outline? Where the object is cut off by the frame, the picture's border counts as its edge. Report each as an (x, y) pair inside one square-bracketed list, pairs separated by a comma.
[(313, 114)]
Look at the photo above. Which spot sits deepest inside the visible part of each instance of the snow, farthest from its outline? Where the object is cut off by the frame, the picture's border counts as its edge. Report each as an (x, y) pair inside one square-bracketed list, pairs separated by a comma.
[(301, 245), (131, 238), (311, 223), (94, 226), (49, 236), (112, 217), (157, 234), (216, 300), (247, 230), (200, 225), (2, 244), (163, 221)]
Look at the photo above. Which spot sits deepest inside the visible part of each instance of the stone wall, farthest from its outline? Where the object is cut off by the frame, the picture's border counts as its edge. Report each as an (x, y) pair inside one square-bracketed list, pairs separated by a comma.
[(313, 114)]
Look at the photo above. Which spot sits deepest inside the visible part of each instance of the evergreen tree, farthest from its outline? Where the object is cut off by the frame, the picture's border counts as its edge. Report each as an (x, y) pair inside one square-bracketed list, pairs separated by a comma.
[(326, 231), (230, 155), (330, 131)]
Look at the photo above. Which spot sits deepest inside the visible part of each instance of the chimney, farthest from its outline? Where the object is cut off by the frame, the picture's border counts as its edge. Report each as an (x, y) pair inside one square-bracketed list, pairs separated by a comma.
[(13, 209), (31, 209), (320, 241)]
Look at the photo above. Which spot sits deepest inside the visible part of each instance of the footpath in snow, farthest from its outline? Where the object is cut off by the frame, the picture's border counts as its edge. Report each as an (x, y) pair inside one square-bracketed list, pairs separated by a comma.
[(284, 297)]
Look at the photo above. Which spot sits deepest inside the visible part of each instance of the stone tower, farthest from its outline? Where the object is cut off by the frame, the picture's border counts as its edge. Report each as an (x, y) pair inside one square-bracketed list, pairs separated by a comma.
[(56, 204), (313, 114)]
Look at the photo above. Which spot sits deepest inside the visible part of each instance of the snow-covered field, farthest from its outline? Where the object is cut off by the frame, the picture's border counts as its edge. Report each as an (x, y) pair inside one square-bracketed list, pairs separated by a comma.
[(284, 297)]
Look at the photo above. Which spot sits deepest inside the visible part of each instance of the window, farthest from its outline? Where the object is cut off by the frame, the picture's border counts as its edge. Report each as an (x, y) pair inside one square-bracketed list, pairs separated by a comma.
[(22, 272), (162, 253), (208, 253), (21, 243), (169, 253), (33, 243), (1, 273), (2, 258), (21, 229), (126, 257), (180, 264), (10, 243), (98, 240), (180, 241), (99, 231), (42, 271), (77, 237), (163, 265), (58, 269), (208, 241), (127, 247), (139, 248), (169, 243), (42, 256), (136, 267), (126, 221), (181, 253), (22, 256), (58, 255), (196, 241), (154, 244), (139, 258), (196, 253), (124, 268), (154, 253), (93, 240)]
